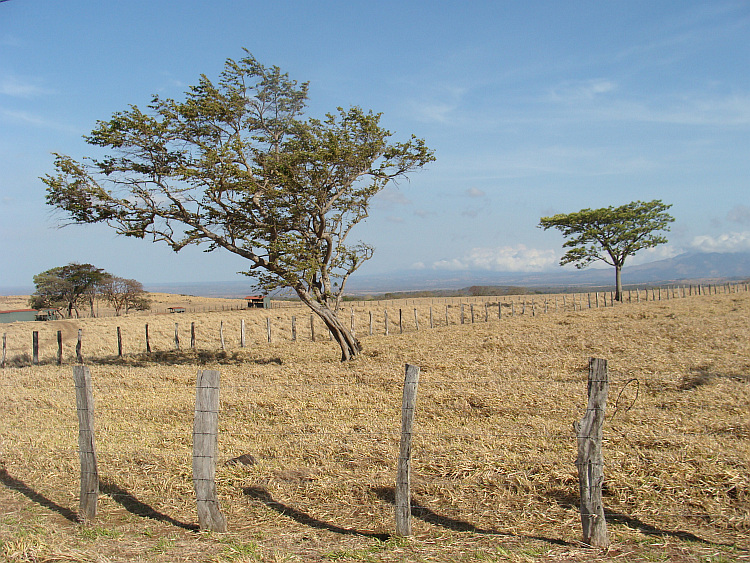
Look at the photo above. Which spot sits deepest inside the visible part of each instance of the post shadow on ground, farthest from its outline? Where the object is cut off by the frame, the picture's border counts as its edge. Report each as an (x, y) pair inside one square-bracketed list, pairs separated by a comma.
[(264, 496), (17, 485), (566, 499), (130, 503), (425, 514)]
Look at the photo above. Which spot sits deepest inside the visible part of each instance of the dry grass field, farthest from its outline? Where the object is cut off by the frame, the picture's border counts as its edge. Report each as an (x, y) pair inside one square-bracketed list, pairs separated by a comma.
[(493, 452)]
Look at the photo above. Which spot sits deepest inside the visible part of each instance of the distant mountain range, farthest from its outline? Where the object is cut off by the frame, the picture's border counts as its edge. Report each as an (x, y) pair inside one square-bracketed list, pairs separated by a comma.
[(685, 268)]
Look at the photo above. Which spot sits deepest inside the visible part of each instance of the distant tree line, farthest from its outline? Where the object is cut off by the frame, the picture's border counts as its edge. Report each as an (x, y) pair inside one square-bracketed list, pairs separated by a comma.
[(69, 288)]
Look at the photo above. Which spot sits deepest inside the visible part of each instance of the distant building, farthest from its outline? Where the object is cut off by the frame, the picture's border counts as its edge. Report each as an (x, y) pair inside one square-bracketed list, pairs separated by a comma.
[(260, 301)]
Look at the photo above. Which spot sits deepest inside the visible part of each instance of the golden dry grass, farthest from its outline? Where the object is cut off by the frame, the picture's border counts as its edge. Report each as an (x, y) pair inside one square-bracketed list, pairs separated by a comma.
[(493, 453)]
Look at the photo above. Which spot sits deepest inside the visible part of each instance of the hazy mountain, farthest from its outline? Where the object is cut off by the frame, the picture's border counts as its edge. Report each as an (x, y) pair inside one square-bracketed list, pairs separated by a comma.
[(687, 267)]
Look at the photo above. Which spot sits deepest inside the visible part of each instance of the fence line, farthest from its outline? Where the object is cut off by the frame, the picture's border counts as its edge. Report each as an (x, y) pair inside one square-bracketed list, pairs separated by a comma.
[(548, 304), (205, 451)]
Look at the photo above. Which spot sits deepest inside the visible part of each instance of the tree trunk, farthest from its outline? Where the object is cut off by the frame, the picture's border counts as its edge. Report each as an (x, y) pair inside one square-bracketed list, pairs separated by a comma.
[(350, 346), (618, 283)]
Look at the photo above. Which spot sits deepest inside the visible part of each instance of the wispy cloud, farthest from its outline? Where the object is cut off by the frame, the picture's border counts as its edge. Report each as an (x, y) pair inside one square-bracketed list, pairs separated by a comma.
[(27, 118), (574, 91), (17, 87), (517, 258), (727, 242), (739, 214)]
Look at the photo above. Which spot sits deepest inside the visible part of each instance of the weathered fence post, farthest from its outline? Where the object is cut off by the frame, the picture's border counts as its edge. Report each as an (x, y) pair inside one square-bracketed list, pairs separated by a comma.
[(5, 348), (370, 323), (590, 461), (354, 332), (416, 319), (148, 343), (447, 320), (192, 335), (294, 328), (35, 347), (312, 328), (119, 342), (432, 324), (86, 449), (221, 333), (268, 328), (176, 337), (59, 348), (403, 477), (462, 313), (205, 446), (385, 317), (79, 355), (400, 321)]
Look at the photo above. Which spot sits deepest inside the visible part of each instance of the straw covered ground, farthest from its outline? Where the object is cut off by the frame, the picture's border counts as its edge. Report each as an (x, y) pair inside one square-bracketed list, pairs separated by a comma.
[(493, 452)]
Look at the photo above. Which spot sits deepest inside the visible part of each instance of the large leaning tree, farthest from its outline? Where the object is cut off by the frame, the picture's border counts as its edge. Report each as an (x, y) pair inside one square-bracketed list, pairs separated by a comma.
[(611, 234), (238, 166)]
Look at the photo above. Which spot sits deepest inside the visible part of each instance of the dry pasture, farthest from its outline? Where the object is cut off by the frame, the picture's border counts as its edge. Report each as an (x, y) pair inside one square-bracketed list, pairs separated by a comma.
[(493, 451)]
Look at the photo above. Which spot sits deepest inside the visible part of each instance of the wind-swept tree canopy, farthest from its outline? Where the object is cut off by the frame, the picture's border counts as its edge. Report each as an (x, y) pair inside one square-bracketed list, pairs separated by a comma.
[(66, 286), (238, 166), (610, 234)]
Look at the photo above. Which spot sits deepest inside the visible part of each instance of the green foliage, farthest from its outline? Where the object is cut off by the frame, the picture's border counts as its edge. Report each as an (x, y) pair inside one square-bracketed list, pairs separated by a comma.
[(610, 234), (65, 286), (237, 166)]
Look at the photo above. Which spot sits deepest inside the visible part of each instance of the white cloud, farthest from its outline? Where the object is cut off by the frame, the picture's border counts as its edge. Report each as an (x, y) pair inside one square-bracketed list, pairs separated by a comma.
[(390, 197), (582, 90), (728, 242), (517, 258), (475, 192)]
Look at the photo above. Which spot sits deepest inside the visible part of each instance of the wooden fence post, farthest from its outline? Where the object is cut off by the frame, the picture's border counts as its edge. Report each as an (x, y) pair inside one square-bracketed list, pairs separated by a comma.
[(370, 323), (86, 449), (205, 446), (354, 333), (5, 348), (268, 328), (294, 328), (242, 332), (59, 348), (176, 337), (192, 335), (221, 333), (416, 319), (79, 355), (312, 328), (385, 317), (590, 461), (401, 321), (403, 477), (35, 347), (462, 313), (447, 321), (148, 343), (432, 324), (119, 342)]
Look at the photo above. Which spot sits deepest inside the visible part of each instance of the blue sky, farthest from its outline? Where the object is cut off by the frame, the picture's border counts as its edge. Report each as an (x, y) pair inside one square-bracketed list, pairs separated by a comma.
[(532, 108)]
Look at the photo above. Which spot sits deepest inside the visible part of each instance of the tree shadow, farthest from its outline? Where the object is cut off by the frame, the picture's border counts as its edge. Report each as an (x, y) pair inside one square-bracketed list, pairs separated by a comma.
[(17, 485), (566, 499), (264, 496), (130, 503), (182, 357), (425, 514)]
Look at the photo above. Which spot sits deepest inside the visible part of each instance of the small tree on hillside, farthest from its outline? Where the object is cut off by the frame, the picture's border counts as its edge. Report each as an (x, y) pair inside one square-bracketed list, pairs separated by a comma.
[(611, 234), (124, 294), (238, 166), (66, 286)]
